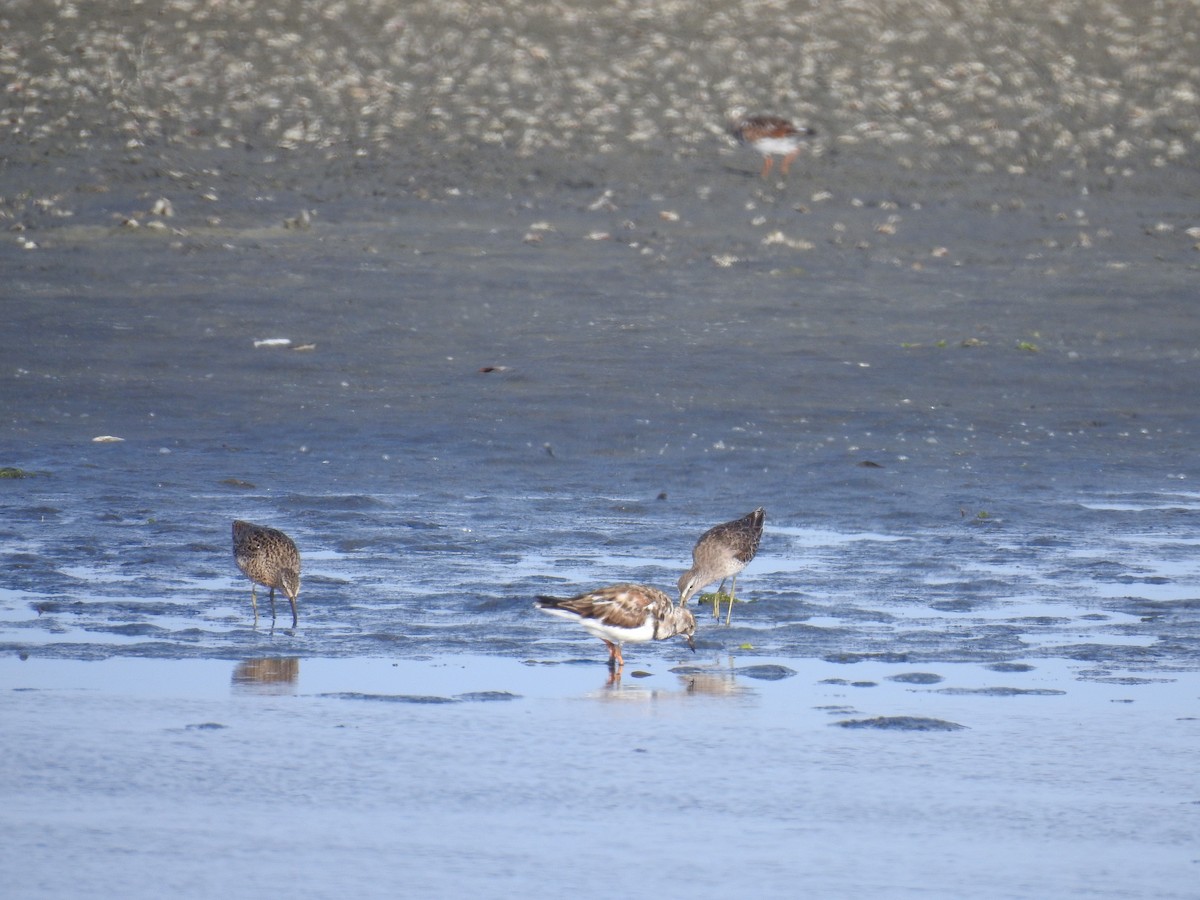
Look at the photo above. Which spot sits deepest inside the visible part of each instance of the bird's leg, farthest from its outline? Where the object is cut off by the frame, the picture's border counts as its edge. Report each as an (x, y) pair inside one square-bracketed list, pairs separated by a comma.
[(272, 604), (254, 604), (717, 601), (612, 653), (788, 160), (768, 161), (732, 593)]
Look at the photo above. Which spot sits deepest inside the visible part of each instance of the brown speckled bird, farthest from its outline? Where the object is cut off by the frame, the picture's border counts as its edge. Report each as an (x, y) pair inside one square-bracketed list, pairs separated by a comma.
[(771, 136), (722, 552), (268, 557), (624, 612)]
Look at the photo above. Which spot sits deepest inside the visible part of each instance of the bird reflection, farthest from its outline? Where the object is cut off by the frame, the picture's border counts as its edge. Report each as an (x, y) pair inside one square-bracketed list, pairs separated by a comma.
[(714, 684), (270, 675), (714, 681), (717, 680)]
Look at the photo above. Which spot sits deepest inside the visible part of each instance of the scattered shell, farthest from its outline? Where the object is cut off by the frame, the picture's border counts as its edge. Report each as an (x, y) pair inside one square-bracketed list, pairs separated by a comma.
[(299, 222), (603, 202), (273, 342), (107, 439), (976, 91), (778, 237)]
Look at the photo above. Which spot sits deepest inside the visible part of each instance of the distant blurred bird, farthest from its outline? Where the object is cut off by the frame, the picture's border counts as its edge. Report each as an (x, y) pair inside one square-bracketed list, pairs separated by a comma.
[(624, 612), (771, 136), (268, 557), (722, 552)]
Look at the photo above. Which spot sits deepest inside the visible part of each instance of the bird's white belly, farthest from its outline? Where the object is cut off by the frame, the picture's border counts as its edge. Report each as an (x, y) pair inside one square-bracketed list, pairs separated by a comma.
[(779, 146), (643, 632)]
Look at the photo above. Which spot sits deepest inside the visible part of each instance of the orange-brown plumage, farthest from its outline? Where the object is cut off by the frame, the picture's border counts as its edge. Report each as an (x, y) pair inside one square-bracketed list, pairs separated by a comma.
[(624, 612), (771, 136)]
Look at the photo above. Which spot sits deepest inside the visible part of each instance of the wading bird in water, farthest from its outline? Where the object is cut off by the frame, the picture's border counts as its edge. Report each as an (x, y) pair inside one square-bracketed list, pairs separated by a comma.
[(722, 552), (624, 612), (268, 557)]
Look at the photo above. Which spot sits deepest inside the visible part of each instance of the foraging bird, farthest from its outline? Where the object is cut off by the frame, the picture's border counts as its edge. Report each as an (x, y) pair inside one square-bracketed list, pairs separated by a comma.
[(722, 552), (268, 557), (624, 612), (771, 136)]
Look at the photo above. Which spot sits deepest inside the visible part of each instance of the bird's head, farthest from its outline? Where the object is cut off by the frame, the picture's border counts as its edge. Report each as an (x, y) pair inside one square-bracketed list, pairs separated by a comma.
[(289, 582), (687, 627), (689, 582)]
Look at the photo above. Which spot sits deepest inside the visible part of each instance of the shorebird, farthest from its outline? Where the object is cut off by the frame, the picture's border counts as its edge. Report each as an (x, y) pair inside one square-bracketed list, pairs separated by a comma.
[(268, 557), (771, 136), (722, 552), (624, 612)]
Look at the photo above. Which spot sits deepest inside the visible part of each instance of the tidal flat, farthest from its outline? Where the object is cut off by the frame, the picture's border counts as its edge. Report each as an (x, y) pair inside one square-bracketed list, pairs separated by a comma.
[(478, 302)]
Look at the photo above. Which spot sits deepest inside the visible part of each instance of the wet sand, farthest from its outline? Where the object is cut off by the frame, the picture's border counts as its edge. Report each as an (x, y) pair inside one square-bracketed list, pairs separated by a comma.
[(544, 325)]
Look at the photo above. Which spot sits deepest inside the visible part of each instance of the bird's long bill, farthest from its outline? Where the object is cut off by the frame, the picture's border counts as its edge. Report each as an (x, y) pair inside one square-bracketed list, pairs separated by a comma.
[(691, 642)]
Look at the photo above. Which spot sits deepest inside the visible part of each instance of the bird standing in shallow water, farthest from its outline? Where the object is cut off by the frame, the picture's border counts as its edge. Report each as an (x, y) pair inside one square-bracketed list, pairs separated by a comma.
[(771, 136), (722, 552), (268, 557), (624, 612)]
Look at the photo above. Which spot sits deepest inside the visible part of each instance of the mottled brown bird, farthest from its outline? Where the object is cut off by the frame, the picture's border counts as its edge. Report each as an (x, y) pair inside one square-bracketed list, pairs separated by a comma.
[(268, 557), (771, 136), (624, 612), (722, 552)]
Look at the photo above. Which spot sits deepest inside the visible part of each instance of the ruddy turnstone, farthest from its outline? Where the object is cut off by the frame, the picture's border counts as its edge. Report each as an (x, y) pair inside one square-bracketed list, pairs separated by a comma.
[(722, 552), (624, 612), (771, 136), (268, 557)]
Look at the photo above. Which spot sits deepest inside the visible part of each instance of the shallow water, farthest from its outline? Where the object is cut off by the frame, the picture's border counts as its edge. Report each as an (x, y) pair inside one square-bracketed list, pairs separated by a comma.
[(954, 355), (1027, 710), (435, 775)]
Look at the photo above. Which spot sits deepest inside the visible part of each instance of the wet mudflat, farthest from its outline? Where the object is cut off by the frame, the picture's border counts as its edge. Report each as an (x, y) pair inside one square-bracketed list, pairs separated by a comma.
[(979, 565), (955, 359)]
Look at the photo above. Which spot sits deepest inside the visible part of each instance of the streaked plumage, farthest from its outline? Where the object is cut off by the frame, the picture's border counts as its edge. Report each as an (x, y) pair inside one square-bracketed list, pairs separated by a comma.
[(268, 557), (722, 552), (771, 136), (624, 612)]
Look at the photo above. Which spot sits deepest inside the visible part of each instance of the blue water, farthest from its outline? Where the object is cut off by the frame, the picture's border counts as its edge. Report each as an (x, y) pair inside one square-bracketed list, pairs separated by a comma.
[(152, 775)]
